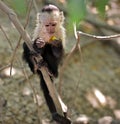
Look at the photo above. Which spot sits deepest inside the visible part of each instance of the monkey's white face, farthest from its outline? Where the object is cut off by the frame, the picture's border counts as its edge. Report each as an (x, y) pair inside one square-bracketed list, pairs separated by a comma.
[(51, 22), (50, 26)]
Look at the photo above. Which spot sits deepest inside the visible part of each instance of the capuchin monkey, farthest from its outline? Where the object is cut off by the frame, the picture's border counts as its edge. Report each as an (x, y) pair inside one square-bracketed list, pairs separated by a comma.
[(48, 41)]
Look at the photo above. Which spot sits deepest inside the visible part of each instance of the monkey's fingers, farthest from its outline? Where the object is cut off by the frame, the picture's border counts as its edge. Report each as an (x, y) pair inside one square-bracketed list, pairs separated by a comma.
[(35, 68), (39, 43), (49, 72), (43, 63)]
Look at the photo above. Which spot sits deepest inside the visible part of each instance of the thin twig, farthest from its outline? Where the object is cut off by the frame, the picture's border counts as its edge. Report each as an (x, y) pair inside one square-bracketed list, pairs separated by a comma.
[(18, 44), (4, 67), (67, 60), (34, 93), (99, 37), (10, 46), (2, 29)]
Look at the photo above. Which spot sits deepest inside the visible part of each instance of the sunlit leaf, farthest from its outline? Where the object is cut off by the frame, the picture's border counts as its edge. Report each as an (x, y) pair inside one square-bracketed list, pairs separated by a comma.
[(77, 10)]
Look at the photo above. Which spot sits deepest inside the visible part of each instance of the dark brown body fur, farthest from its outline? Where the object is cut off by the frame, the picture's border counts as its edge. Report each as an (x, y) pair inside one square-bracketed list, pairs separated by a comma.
[(52, 55)]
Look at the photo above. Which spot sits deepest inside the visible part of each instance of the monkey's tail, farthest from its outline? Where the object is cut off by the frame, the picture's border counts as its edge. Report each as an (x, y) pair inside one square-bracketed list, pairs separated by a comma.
[(47, 96), (50, 103)]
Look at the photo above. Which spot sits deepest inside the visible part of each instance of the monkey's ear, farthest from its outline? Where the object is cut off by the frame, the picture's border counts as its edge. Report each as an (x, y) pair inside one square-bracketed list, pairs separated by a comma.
[(62, 18)]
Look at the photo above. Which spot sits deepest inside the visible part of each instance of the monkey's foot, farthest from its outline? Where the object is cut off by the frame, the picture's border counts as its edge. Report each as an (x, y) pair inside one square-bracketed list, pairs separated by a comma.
[(60, 119), (49, 72), (42, 63)]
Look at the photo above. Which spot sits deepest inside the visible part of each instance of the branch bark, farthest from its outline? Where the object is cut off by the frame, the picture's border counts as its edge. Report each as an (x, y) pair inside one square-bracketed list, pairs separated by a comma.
[(13, 17), (98, 37)]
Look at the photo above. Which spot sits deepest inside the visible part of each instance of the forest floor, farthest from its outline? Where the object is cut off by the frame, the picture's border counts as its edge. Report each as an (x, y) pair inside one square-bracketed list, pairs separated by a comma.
[(90, 87)]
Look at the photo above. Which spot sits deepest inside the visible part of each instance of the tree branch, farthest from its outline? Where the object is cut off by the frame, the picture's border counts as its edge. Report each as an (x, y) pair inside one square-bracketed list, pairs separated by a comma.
[(98, 37)]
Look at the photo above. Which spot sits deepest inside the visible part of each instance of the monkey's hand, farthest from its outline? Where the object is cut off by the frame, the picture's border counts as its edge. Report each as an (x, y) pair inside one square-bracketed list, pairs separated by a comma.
[(57, 48), (56, 42), (38, 43)]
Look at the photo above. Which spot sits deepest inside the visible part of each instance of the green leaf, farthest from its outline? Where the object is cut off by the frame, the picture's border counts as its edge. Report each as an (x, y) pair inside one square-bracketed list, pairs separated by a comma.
[(100, 5), (76, 11)]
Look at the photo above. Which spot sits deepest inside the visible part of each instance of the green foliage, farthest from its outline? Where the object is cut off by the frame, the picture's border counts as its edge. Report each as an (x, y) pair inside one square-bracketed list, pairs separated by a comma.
[(19, 6), (76, 11), (100, 5)]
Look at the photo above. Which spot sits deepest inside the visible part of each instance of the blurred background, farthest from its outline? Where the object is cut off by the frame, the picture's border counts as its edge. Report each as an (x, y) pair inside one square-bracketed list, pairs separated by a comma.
[(90, 84)]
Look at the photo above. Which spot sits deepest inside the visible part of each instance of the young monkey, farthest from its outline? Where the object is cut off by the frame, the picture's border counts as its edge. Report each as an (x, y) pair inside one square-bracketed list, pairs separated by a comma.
[(48, 41)]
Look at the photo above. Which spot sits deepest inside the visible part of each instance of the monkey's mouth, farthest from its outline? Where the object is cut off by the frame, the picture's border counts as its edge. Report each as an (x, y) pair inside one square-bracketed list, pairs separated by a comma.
[(51, 33)]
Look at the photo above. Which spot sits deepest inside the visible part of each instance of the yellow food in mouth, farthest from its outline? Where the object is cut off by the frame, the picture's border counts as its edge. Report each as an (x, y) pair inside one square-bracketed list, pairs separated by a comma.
[(52, 39)]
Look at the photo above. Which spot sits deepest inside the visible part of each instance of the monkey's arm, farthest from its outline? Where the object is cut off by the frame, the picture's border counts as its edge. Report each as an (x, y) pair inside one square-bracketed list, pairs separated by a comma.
[(29, 56), (53, 55), (57, 48)]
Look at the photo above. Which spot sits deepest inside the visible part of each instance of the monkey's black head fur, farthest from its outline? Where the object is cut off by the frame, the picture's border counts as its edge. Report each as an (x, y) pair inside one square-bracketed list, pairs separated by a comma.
[(49, 8)]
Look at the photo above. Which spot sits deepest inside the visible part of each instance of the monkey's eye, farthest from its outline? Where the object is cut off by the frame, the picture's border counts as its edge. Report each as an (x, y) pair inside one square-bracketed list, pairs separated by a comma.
[(54, 24), (47, 25)]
